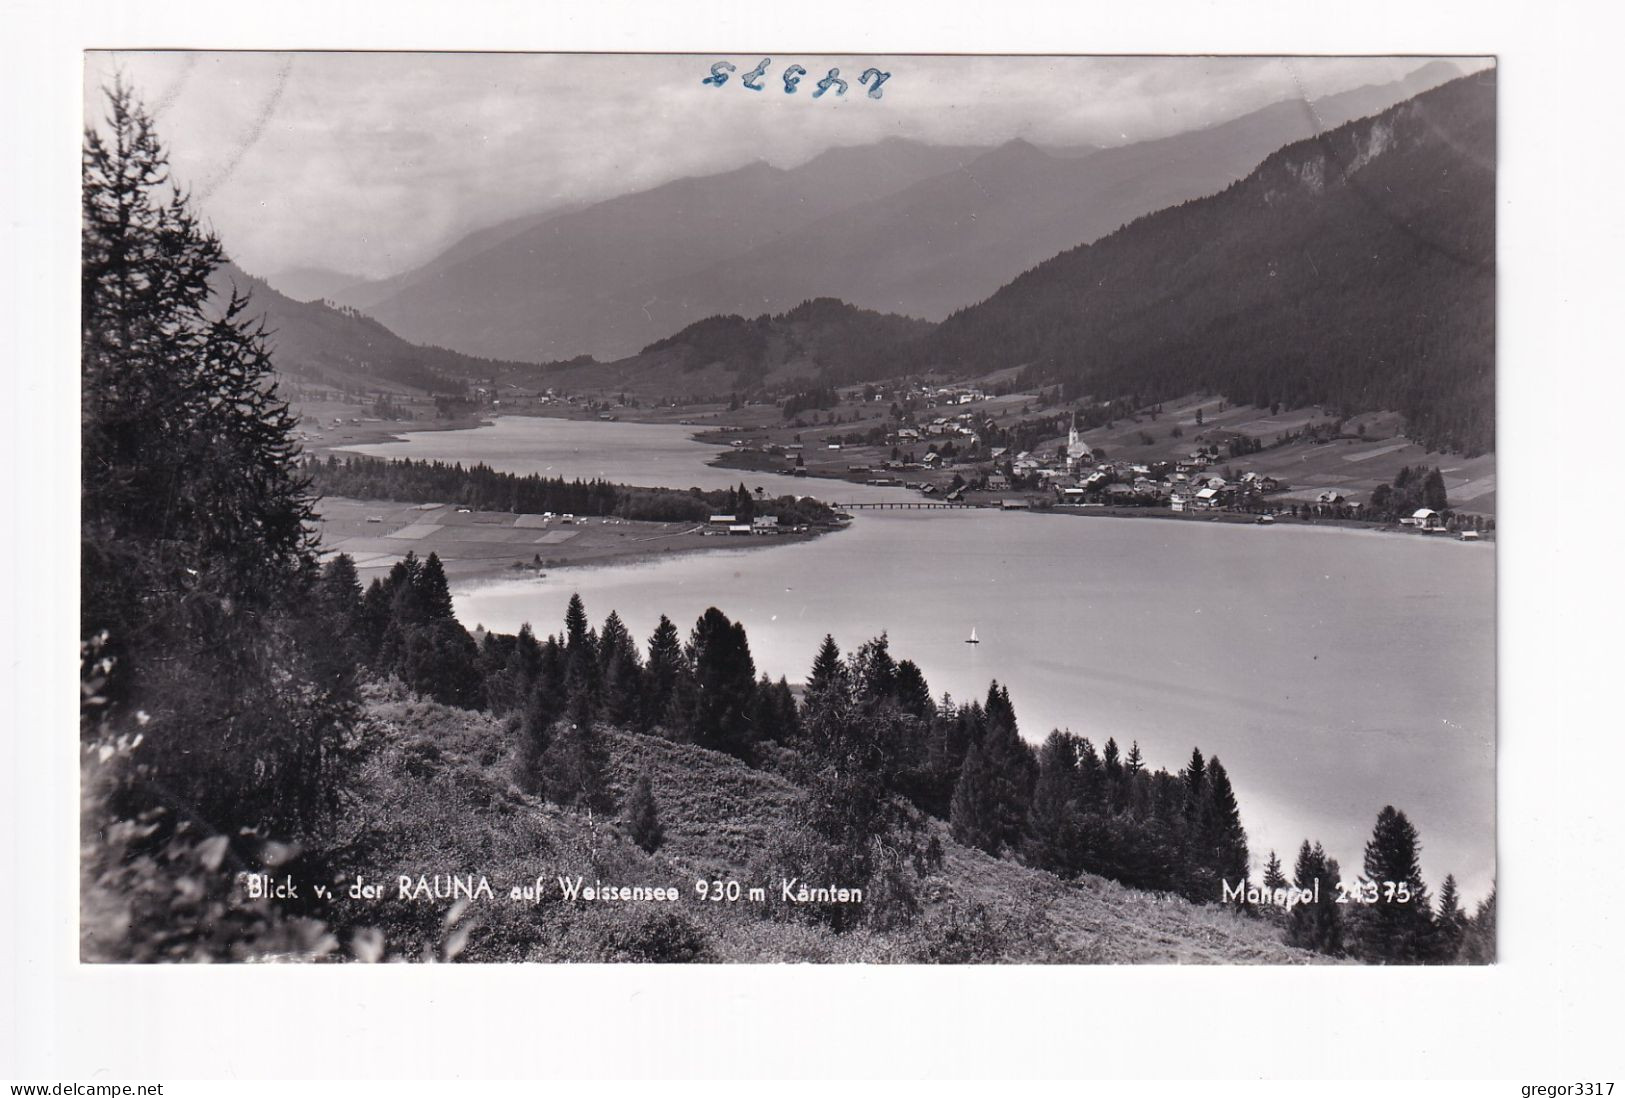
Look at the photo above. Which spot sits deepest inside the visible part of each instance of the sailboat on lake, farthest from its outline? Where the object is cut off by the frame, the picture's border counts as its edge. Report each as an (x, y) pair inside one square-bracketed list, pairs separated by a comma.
[(972, 638)]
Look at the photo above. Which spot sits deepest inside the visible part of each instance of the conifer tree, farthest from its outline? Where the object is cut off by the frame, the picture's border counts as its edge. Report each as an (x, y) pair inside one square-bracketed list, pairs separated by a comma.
[(642, 816), (1316, 925), (1434, 494), (198, 553), (828, 673), (1478, 939), (725, 684), (1112, 760), (1011, 767), (374, 621), (433, 592), (620, 674), (1274, 878), (1053, 817), (972, 816), (575, 625), (913, 694), (1091, 778), (1194, 777), (1451, 922), (1223, 838), (341, 588), (1000, 713), (1398, 928), (666, 666), (873, 672)]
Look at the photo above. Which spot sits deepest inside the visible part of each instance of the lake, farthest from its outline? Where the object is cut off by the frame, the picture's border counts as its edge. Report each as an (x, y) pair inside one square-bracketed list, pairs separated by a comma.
[(650, 455), (1333, 671)]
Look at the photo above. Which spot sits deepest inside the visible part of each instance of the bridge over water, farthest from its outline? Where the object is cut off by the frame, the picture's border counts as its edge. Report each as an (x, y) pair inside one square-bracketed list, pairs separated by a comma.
[(903, 505)]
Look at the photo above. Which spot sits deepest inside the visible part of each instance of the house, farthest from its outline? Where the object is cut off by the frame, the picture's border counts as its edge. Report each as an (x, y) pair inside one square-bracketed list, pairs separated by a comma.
[(740, 528), (765, 524), (998, 482), (1425, 518), (721, 521), (1329, 496), (1207, 498), (1178, 502), (1070, 495)]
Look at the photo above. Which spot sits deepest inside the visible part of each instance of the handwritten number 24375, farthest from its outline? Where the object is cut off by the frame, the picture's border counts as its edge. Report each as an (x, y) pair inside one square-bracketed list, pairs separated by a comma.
[(872, 78)]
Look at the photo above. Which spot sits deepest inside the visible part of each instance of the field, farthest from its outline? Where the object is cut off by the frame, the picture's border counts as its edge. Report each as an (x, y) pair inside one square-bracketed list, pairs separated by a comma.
[(484, 544), (1352, 467)]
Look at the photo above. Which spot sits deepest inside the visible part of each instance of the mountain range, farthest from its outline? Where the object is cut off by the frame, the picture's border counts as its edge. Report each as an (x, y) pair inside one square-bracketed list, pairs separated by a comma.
[(1355, 269), (334, 345), (897, 227)]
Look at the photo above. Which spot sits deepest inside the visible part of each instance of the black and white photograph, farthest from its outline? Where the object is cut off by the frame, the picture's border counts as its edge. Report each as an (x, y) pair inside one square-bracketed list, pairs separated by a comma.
[(782, 545), (920, 509)]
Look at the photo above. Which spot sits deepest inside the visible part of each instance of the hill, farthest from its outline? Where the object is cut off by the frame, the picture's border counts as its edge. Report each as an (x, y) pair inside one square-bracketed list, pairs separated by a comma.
[(896, 227), (957, 237), (580, 281), (437, 797), (1355, 269), (823, 341), (316, 342)]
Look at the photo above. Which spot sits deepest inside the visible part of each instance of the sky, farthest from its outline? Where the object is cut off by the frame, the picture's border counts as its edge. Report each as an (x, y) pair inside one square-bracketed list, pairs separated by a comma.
[(371, 163)]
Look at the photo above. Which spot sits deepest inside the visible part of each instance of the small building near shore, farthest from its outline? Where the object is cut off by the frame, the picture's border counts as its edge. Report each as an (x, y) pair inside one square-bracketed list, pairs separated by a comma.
[(1424, 518)]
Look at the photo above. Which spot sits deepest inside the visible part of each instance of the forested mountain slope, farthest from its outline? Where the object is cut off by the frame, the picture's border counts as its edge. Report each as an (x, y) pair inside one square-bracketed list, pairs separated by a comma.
[(1355, 269), (315, 342)]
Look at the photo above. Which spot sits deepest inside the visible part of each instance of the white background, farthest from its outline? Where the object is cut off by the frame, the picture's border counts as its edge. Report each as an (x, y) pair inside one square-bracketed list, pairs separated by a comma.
[(1547, 1013)]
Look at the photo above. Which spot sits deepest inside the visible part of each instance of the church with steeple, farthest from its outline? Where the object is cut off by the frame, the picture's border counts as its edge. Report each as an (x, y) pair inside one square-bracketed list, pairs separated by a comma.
[(1077, 451)]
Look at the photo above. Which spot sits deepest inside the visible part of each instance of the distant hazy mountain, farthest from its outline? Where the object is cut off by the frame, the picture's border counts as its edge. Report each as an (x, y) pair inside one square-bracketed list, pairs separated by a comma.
[(955, 238), (897, 227), (364, 294), (818, 342), (1355, 269), (315, 342), (578, 282), (311, 283)]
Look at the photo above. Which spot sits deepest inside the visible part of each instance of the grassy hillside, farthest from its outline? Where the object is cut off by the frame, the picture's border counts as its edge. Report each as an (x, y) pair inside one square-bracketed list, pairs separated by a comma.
[(437, 797)]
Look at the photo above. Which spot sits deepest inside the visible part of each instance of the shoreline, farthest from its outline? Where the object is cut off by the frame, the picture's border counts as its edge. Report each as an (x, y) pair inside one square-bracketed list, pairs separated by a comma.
[(482, 546), (751, 461)]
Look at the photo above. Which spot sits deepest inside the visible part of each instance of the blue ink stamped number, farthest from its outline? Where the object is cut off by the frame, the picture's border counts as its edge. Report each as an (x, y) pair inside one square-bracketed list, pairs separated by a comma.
[(872, 78)]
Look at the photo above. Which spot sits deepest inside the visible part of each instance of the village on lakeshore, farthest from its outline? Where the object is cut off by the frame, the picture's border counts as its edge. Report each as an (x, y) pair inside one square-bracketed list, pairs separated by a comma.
[(988, 444)]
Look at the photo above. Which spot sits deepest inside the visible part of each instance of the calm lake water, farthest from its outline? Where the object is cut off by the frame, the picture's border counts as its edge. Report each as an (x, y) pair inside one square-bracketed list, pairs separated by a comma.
[(651, 455), (1333, 671)]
